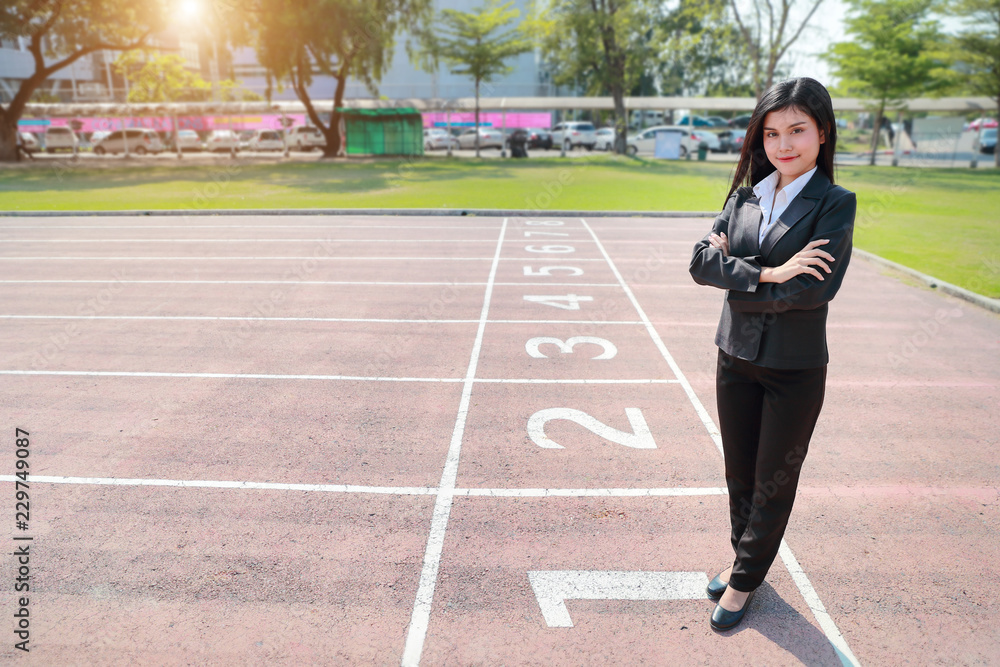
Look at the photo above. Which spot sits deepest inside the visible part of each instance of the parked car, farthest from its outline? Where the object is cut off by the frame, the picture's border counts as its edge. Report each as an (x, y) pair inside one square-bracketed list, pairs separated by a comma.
[(29, 142), (305, 138), (574, 133), (645, 141), (438, 138), (266, 140), (986, 122), (188, 140), (245, 136), (60, 139), (222, 141), (139, 140), (988, 141), (731, 141), (718, 121), (605, 139), (488, 138), (710, 138), (539, 137), (740, 122), (695, 121)]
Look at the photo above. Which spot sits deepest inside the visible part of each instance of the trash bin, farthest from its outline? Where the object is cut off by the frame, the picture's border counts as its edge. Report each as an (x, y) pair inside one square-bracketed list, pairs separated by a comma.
[(702, 151), (518, 143)]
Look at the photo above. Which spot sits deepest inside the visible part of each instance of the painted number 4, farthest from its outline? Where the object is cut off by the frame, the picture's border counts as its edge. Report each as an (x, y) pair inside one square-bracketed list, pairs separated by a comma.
[(566, 302)]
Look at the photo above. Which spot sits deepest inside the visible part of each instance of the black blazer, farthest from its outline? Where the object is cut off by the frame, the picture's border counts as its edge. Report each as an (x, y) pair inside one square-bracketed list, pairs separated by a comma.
[(777, 325)]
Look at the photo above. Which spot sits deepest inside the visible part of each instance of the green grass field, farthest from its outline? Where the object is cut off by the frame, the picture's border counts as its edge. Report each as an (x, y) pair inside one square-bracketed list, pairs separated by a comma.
[(944, 222)]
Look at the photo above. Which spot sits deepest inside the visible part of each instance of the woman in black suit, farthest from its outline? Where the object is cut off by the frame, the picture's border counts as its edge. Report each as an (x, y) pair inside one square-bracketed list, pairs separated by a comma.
[(779, 248)]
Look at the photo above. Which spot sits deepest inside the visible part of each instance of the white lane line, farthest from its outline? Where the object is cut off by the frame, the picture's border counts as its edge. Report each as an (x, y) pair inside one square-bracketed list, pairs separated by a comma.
[(419, 619), (352, 378), (227, 376), (304, 282), (811, 597), (253, 258), (565, 381), (274, 240), (42, 225), (706, 418), (237, 318), (539, 257), (593, 493), (833, 634), (388, 490), (219, 484)]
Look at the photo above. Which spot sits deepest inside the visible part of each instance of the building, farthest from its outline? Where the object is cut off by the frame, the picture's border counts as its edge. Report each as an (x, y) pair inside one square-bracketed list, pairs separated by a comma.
[(404, 80)]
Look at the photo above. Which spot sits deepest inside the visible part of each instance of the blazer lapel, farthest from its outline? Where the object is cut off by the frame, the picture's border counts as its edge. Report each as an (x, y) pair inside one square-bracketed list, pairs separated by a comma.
[(750, 226), (797, 209)]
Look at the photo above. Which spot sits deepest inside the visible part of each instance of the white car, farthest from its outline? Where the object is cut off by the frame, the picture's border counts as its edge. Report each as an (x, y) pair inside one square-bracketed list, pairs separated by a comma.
[(437, 138), (574, 133), (645, 141), (29, 142), (140, 141), (188, 141), (305, 138), (60, 139), (223, 141), (605, 139), (488, 138), (266, 140)]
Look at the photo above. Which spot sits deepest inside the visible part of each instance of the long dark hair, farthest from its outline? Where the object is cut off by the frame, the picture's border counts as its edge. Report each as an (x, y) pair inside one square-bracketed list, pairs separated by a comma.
[(808, 96)]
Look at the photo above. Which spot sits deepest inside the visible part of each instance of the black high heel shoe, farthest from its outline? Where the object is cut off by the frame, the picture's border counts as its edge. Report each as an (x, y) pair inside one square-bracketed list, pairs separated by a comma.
[(716, 587), (723, 619)]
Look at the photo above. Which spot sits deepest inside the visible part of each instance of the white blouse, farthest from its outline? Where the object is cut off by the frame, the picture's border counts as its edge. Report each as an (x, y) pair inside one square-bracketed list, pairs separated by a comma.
[(773, 205)]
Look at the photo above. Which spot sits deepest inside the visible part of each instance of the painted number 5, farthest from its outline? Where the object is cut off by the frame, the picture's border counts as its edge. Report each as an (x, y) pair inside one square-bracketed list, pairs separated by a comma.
[(640, 438), (531, 347)]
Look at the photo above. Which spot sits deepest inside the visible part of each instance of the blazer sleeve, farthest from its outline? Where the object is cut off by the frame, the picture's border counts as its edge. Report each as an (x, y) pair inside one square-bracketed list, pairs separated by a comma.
[(806, 292), (709, 266)]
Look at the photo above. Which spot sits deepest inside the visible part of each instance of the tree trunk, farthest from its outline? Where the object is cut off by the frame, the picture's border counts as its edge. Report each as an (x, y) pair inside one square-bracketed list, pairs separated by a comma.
[(876, 131), (8, 138), (621, 121), (477, 117)]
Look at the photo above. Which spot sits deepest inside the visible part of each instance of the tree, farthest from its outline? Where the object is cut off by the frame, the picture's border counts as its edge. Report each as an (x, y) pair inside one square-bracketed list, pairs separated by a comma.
[(164, 78), (474, 44), (764, 29), (339, 38), (978, 49), (60, 32), (703, 52), (603, 46), (895, 52), (161, 78)]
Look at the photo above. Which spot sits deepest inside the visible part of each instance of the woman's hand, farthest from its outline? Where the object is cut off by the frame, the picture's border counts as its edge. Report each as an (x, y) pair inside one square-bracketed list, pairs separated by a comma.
[(720, 241), (808, 260)]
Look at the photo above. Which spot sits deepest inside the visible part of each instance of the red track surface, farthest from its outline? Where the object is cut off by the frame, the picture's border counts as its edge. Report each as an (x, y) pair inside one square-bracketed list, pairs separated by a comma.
[(388, 363)]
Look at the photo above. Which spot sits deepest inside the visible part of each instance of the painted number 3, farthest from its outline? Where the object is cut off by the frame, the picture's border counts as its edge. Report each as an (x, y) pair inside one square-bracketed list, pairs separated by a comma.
[(531, 347)]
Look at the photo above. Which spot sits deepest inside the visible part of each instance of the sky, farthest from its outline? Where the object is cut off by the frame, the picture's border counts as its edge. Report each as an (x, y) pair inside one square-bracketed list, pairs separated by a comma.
[(825, 28)]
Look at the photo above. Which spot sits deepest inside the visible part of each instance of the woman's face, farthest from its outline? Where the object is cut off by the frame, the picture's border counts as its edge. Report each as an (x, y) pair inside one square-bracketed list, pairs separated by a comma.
[(791, 141)]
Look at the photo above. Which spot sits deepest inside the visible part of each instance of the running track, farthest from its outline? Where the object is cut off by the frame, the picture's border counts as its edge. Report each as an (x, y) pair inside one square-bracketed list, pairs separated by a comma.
[(441, 441)]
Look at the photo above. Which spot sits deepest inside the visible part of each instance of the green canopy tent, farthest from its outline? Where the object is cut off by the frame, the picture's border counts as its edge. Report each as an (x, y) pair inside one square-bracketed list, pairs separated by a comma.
[(384, 131)]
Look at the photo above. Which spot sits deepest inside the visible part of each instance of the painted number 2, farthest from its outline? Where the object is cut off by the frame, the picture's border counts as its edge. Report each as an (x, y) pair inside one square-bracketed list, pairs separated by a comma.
[(640, 438), (531, 347)]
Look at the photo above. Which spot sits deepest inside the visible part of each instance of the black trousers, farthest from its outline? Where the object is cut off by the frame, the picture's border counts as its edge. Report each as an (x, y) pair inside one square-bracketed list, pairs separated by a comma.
[(766, 416)]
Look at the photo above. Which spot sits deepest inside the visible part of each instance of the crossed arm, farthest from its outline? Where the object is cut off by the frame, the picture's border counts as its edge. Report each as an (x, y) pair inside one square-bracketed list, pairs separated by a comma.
[(807, 280)]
